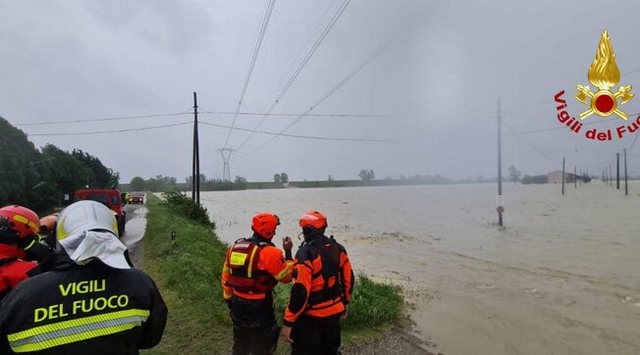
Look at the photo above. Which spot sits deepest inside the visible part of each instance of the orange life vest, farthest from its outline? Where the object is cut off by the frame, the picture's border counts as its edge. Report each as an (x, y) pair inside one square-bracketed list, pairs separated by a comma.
[(244, 275)]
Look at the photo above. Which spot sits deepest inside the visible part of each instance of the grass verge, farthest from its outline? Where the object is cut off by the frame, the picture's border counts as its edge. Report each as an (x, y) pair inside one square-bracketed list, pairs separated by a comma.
[(187, 272)]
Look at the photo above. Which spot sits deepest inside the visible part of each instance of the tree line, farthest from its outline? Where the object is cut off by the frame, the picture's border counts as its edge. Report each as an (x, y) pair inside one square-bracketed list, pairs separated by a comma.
[(162, 183), (39, 178)]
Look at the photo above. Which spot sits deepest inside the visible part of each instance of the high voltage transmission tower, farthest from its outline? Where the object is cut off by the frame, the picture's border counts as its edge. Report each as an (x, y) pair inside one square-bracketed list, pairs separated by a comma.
[(226, 157)]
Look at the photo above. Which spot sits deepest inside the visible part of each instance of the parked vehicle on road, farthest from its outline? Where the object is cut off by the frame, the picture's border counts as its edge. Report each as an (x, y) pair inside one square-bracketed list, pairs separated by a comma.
[(108, 197)]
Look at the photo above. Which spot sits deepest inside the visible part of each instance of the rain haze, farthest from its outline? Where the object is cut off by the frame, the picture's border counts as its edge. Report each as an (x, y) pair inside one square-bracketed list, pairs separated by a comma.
[(322, 89), (430, 91)]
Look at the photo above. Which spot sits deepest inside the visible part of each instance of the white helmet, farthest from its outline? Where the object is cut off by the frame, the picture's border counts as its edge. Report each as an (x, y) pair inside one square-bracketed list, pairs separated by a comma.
[(84, 216), (87, 230)]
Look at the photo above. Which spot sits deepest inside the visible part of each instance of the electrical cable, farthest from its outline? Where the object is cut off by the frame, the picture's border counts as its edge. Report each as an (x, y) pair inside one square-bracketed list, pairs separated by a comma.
[(45, 123), (529, 143), (252, 62), (304, 62), (122, 130), (289, 114), (323, 98), (324, 138)]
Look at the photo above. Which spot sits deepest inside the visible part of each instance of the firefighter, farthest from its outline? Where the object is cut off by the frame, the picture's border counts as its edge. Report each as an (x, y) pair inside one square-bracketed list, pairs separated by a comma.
[(18, 236), (87, 299), (252, 268), (48, 230), (322, 288)]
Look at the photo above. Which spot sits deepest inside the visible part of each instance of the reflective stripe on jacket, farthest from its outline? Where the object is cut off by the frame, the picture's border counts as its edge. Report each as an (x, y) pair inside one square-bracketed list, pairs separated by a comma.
[(89, 309), (253, 269)]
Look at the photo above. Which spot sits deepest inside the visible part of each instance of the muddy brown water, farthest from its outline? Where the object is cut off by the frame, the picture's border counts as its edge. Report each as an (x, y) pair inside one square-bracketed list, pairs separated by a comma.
[(561, 278)]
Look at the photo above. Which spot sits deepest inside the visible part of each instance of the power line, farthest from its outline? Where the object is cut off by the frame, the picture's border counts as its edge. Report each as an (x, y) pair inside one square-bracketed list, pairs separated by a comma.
[(304, 62), (323, 98), (552, 128), (291, 114), (529, 143), (252, 62), (126, 118), (108, 131), (324, 138), (313, 49), (45, 123), (307, 40)]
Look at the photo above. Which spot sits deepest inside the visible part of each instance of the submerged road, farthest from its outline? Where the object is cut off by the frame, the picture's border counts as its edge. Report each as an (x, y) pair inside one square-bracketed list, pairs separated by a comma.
[(134, 230)]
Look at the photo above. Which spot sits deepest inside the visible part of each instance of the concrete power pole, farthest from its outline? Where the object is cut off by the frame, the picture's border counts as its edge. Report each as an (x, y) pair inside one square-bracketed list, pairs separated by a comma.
[(195, 169), (499, 198)]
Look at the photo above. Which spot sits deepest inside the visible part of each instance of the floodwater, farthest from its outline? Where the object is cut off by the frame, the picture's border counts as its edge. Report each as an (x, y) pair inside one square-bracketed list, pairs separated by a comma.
[(563, 276)]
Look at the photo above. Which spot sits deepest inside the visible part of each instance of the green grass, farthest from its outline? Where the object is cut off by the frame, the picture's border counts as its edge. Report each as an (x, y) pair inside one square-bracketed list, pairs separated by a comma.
[(188, 275)]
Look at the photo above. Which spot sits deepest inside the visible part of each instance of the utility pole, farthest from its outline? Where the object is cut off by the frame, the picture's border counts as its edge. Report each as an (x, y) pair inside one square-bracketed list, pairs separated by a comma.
[(626, 183), (499, 198), (195, 170), (581, 175), (618, 171), (563, 175)]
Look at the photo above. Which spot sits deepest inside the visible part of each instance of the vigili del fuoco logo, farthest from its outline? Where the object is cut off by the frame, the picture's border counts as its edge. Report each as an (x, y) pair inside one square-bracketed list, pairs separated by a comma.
[(603, 101)]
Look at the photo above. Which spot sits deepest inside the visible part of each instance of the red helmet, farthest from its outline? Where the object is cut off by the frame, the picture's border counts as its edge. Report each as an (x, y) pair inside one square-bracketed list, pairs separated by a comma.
[(313, 219), (18, 221), (265, 224)]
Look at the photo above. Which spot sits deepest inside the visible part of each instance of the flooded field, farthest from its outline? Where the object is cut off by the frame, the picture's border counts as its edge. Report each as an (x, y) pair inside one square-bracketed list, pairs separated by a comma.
[(563, 276)]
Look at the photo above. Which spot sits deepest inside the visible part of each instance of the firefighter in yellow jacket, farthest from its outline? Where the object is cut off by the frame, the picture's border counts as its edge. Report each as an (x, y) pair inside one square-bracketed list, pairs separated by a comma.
[(252, 268)]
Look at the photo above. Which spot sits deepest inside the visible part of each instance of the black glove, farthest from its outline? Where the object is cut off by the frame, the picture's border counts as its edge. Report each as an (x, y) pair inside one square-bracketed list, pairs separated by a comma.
[(35, 250)]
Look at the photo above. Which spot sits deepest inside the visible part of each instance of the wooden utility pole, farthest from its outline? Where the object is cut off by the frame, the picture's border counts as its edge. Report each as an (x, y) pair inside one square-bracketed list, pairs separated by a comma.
[(563, 175), (195, 171), (499, 198), (626, 182), (618, 171)]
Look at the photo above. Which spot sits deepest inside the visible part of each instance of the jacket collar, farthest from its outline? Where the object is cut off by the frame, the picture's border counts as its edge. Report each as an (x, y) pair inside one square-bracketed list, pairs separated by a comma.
[(257, 238), (317, 240)]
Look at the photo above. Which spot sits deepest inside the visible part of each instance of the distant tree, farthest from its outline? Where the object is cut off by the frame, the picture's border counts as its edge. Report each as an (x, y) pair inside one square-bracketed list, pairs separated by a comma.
[(22, 168), (137, 184), (367, 174), (39, 179), (276, 178), (100, 177), (240, 182), (515, 174), (284, 178)]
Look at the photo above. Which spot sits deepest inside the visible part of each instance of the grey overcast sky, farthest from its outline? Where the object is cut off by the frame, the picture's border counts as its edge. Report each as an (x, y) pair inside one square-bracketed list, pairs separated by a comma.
[(442, 68)]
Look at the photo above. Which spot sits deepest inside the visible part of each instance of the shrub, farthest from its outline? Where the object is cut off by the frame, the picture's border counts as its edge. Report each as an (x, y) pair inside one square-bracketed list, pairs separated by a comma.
[(186, 207)]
